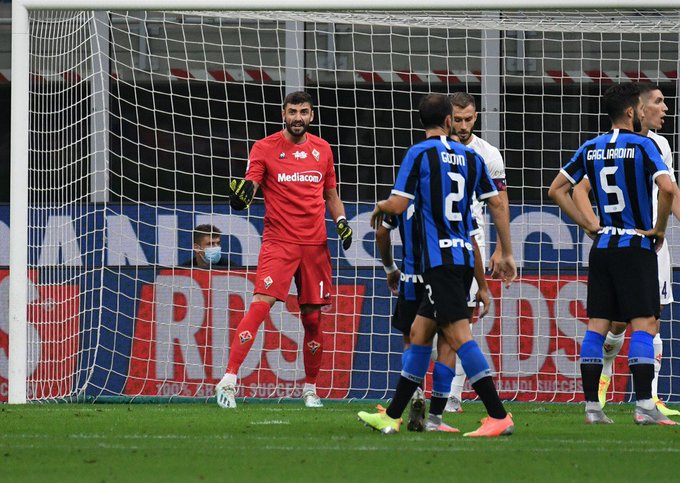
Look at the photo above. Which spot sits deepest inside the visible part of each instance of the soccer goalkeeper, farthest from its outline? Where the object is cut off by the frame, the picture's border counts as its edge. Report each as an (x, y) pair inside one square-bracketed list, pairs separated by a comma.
[(295, 171)]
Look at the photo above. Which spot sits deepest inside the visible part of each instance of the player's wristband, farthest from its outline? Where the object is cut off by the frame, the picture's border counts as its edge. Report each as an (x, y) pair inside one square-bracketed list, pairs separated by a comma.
[(391, 269)]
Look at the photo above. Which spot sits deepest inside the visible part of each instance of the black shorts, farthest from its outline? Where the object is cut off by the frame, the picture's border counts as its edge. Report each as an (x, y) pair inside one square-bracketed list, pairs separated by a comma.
[(446, 291), (623, 283), (405, 311)]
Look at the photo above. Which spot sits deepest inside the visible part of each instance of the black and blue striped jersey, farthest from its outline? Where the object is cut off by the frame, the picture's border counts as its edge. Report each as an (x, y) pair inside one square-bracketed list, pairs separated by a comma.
[(408, 224), (440, 176), (621, 166)]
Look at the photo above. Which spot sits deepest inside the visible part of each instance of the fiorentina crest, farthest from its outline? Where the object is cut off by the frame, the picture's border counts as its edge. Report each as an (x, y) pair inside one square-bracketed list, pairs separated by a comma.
[(313, 346), (245, 336)]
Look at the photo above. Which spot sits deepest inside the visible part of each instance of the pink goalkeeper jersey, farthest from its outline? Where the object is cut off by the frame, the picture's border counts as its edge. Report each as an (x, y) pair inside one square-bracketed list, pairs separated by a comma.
[(293, 178)]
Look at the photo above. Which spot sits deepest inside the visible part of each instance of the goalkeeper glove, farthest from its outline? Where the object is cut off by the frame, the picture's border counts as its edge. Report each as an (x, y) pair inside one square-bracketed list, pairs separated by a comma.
[(344, 232), (241, 193)]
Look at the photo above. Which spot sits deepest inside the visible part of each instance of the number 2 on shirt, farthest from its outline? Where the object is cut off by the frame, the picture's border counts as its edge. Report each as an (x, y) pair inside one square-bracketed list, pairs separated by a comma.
[(457, 193)]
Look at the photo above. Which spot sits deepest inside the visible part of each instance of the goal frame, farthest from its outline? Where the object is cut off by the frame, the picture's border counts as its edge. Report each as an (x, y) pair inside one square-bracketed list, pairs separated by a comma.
[(18, 295)]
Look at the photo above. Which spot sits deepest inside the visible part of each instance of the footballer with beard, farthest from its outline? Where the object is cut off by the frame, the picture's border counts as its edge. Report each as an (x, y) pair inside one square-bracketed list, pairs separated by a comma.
[(295, 171), (622, 166), (655, 110)]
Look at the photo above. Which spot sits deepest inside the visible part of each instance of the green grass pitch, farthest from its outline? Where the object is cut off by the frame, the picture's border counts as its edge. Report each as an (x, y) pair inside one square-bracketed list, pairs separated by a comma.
[(287, 442)]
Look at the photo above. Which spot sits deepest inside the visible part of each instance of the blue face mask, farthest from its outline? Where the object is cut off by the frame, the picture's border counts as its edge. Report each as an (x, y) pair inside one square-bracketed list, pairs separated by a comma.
[(213, 254)]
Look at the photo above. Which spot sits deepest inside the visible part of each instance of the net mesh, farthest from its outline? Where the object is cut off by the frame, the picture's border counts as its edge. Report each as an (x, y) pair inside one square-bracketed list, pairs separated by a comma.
[(138, 119)]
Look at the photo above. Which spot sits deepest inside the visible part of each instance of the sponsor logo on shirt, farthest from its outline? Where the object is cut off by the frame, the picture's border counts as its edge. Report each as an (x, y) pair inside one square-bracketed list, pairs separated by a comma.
[(300, 155), (414, 278), (303, 177), (613, 230), (454, 242)]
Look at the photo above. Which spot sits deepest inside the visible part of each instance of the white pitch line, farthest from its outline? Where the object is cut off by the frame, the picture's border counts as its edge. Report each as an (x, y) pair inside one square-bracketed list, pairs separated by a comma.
[(336, 438), (467, 446)]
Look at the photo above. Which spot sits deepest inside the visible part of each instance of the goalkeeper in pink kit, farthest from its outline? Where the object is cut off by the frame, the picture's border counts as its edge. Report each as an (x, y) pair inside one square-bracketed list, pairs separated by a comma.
[(295, 171)]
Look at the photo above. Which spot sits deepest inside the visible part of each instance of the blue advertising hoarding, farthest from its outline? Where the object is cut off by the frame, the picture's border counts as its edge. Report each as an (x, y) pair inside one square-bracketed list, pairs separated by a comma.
[(142, 327)]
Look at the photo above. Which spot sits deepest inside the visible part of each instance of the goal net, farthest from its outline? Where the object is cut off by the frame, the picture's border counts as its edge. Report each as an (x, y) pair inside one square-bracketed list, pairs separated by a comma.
[(138, 119)]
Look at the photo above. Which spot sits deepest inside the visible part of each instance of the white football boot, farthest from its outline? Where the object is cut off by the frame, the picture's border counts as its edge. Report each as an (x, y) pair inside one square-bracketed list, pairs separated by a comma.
[(312, 400), (225, 392)]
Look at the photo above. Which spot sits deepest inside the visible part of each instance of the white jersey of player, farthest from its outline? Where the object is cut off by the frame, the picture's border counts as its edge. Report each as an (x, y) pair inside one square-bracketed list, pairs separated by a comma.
[(496, 168), (663, 255), (667, 157)]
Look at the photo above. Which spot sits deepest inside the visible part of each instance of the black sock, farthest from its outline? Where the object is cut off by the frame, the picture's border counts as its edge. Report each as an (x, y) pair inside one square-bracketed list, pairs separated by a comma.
[(643, 374), (590, 378), (437, 405), (486, 390), (405, 389)]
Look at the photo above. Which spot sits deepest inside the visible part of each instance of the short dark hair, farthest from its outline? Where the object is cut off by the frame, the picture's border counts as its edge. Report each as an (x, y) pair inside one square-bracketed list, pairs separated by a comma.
[(433, 110), (647, 87), (298, 97), (462, 100), (205, 230), (620, 97)]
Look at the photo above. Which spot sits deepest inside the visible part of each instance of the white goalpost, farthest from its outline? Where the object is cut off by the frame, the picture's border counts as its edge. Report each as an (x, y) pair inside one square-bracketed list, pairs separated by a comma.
[(128, 123)]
